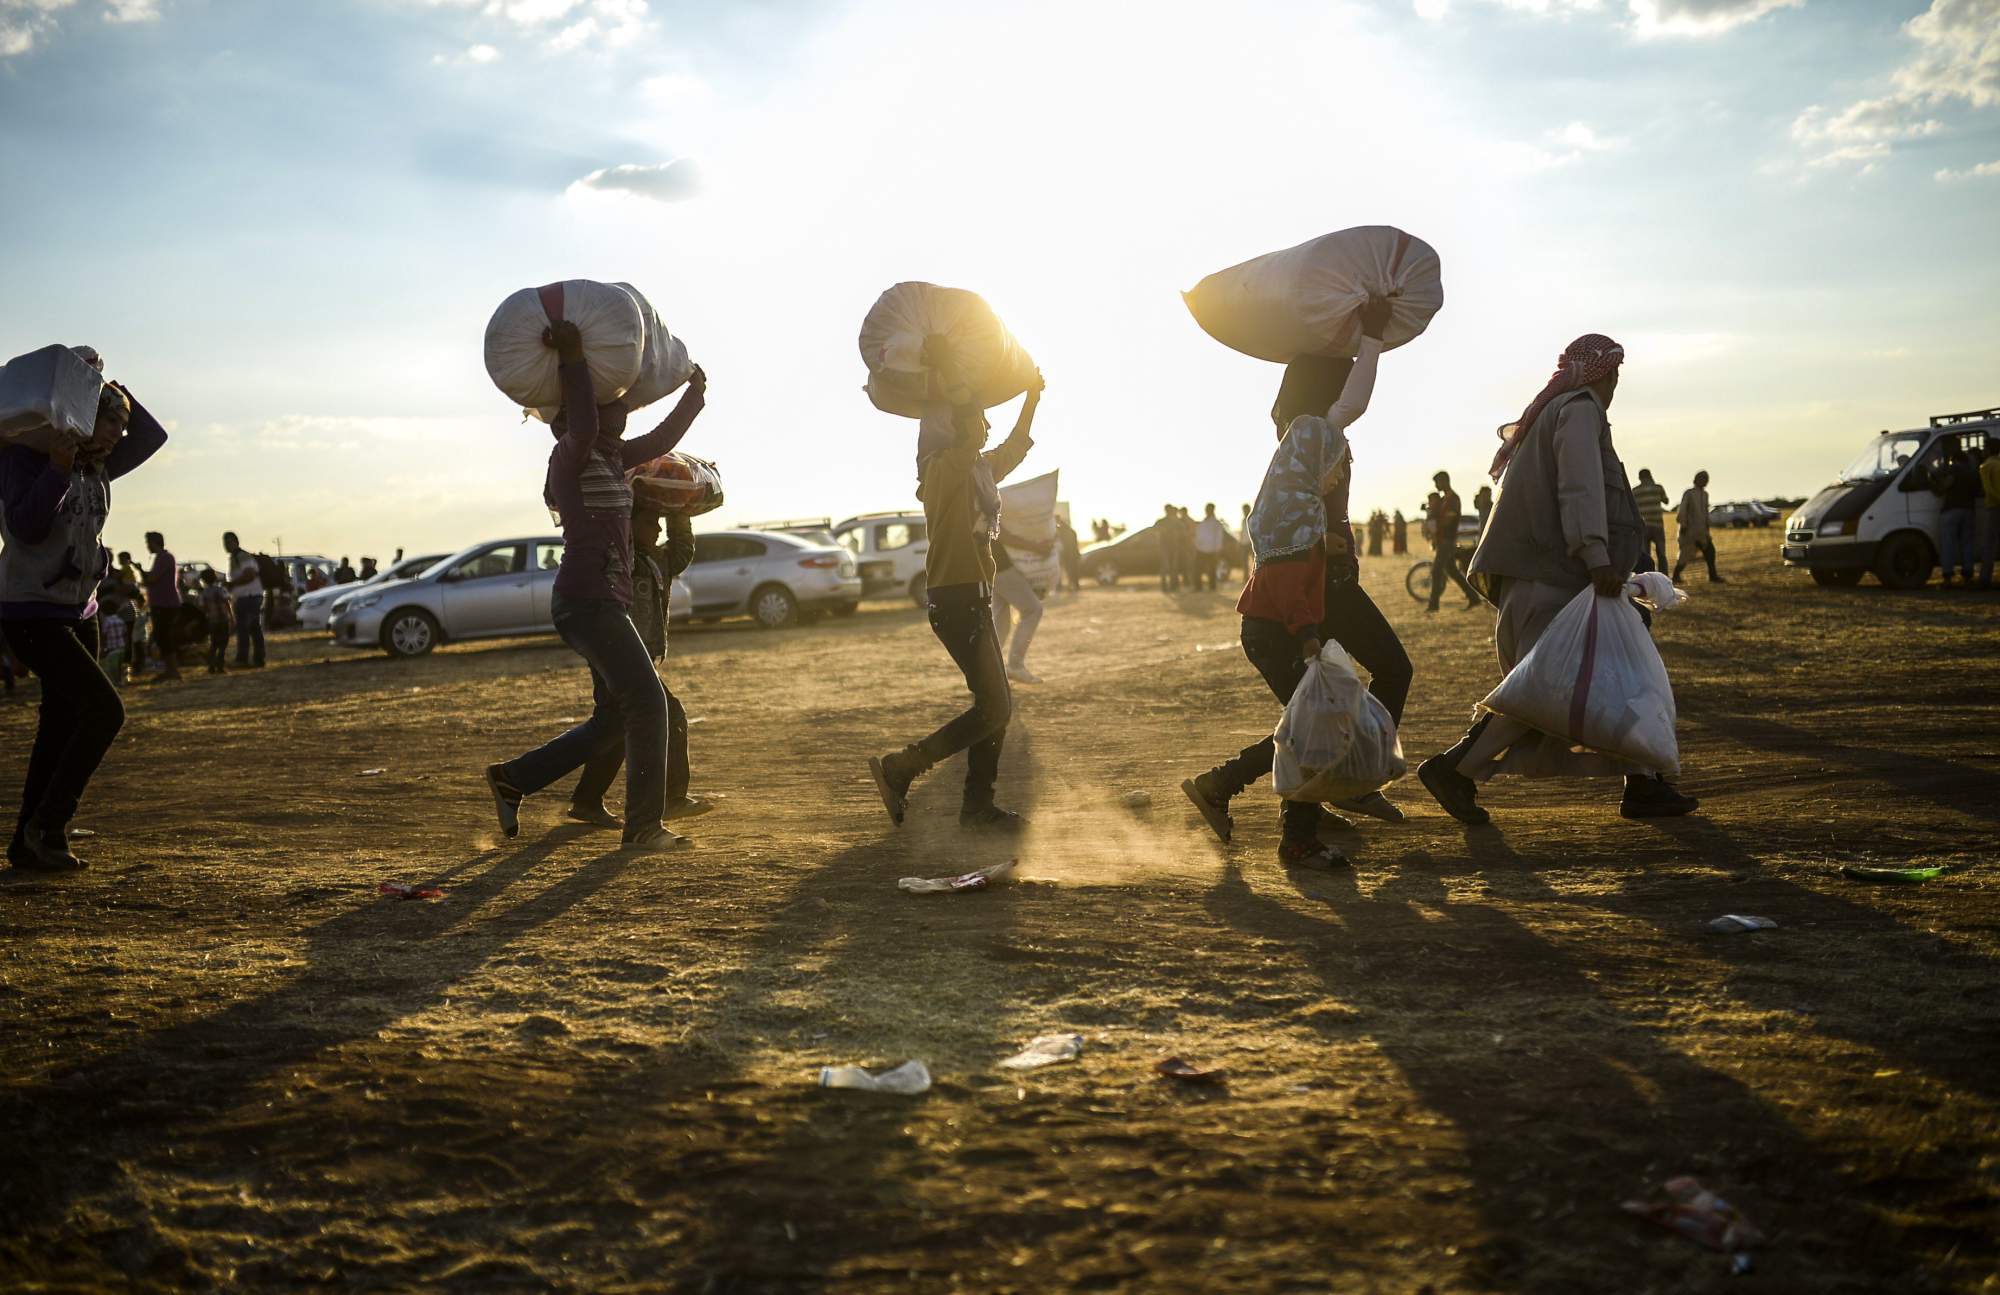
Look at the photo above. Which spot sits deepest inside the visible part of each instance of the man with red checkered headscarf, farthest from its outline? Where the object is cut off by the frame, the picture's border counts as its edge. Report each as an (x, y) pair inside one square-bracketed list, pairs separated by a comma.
[(1564, 520)]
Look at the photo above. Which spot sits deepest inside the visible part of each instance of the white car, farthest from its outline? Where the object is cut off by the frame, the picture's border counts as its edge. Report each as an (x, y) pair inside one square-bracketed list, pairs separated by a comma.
[(889, 551), (315, 610)]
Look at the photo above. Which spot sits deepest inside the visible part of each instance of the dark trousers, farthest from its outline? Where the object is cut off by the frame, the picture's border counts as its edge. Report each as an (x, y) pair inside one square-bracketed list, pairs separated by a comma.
[(962, 619), (1357, 624), (80, 716), (1204, 570), (1655, 542), (218, 645), (630, 711), (250, 630), (1444, 566), (602, 767), (1707, 550), (166, 637)]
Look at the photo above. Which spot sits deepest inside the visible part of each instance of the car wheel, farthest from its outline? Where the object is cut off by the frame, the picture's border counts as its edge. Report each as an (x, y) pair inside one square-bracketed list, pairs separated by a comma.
[(410, 632), (774, 607), (1904, 561), (1844, 578), (919, 591), (1106, 573)]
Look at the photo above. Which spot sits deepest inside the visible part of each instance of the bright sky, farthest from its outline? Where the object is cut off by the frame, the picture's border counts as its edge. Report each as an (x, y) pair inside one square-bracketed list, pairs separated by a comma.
[(285, 224)]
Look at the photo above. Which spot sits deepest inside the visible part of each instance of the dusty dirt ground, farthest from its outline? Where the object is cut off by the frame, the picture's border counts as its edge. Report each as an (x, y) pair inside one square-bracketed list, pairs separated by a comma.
[(226, 1062)]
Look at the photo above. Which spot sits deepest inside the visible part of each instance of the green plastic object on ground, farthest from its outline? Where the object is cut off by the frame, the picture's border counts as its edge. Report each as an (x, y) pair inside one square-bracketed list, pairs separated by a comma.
[(1921, 872)]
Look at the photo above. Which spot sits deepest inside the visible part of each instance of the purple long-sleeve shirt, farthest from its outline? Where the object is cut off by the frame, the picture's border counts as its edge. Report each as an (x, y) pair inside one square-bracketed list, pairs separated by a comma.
[(597, 523)]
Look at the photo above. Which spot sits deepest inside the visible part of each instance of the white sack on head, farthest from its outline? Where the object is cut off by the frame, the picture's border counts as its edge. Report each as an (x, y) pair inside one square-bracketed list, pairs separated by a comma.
[(1306, 300), (980, 353), (48, 397), (665, 365), (525, 369), (1335, 740)]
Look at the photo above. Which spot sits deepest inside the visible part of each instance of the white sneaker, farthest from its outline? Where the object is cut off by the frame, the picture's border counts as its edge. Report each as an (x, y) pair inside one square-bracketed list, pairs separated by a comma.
[(1021, 674)]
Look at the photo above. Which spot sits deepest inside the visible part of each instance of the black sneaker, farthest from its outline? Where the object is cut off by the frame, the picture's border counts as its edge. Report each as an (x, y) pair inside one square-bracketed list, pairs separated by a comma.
[(1374, 805), (652, 841), (1310, 854), (1457, 793), (45, 850), (592, 815), (1652, 796), (506, 801), (893, 775), (991, 818), (1214, 806), (686, 807)]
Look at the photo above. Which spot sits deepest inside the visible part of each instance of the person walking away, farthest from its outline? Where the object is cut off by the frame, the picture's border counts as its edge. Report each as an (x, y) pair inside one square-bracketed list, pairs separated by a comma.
[(1442, 506), (113, 635), (1208, 537), (163, 595), (53, 508), (246, 589), (1378, 530), (1692, 516), (654, 567), (1563, 521), (1482, 504), (1013, 594), (215, 611), (1306, 586), (958, 483), (1072, 554), (592, 601), (1166, 528), (1989, 514), (1399, 534), (1651, 499), (1957, 480), (129, 583)]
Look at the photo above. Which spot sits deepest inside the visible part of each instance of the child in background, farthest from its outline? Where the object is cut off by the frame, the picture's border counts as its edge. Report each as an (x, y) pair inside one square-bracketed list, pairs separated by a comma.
[(115, 634), (216, 607)]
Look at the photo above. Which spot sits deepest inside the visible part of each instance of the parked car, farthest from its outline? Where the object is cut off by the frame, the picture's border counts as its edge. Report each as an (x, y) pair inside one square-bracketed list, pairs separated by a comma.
[(315, 610), (778, 578), (1741, 515), (889, 551), (1882, 515), (1137, 553)]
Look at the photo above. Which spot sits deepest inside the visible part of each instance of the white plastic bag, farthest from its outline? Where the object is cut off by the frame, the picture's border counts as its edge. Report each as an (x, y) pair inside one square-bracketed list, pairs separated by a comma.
[(1335, 740), (1595, 680), (48, 396), (980, 353), (614, 341), (1305, 300)]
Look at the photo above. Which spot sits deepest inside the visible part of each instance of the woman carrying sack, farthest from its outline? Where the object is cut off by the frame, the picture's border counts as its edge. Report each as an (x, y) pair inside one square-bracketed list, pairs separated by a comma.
[(1306, 583), (586, 486)]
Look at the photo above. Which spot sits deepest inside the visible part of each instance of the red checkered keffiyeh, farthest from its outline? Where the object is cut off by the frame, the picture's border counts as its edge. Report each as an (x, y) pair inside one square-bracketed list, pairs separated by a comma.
[(1588, 359)]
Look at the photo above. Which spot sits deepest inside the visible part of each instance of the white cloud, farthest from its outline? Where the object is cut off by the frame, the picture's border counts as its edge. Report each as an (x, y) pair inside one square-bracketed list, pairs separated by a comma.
[(477, 55), (1956, 63), (1648, 17), (131, 10), (25, 22), (1984, 171), (1559, 148), (673, 181), (559, 26)]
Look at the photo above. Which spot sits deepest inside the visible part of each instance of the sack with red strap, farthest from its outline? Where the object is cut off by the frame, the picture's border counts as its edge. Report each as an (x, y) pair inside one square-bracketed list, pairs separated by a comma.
[(1306, 300), (1595, 680), (677, 483)]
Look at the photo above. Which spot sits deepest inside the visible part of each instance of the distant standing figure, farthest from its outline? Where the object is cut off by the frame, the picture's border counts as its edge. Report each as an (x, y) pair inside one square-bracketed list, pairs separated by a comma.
[(1482, 504), (344, 573), (1249, 554), (1399, 535), (216, 611), (163, 594), (1443, 509), (1957, 479), (1166, 528), (1651, 497), (1378, 530), (246, 589), (1692, 516), (368, 569), (1072, 554), (1208, 537), (113, 636)]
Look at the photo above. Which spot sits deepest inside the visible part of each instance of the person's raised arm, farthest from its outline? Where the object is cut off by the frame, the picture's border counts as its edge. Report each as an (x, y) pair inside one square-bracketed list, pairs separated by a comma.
[(142, 440), (1360, 384), (1580, 493), (674, 426), (579, 397), (1007, 456)]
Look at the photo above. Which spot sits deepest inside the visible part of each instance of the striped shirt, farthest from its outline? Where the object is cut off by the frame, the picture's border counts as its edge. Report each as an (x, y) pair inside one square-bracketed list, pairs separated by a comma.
[(1651, 497)]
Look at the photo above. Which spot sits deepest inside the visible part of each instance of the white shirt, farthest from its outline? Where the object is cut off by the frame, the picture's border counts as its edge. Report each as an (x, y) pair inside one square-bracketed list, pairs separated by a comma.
[(1208, 535), (245, 563)]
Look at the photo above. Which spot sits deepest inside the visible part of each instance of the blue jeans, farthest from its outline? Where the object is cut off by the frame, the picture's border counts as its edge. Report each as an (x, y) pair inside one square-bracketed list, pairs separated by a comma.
[(250, 630), (630, 710), (1955, 526)]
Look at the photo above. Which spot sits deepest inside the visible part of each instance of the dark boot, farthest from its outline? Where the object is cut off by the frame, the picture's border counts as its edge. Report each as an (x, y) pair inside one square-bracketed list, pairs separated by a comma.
[(893, 774), (1652, 796), (1211, 795), (1458, 794)]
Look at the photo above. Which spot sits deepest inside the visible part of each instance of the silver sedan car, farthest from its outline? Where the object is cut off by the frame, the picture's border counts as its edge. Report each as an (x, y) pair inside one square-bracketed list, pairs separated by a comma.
[(491, 590), (315, 610), (776, 577)]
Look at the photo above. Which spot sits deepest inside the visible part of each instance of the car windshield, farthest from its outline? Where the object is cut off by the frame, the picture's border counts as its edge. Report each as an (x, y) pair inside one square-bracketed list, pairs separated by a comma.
[(1884, 455)]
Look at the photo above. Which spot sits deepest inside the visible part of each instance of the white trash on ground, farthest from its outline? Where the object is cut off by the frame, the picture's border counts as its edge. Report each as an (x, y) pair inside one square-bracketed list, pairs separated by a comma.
[(1306, 300), (524, 368), (1335, 741), (1045, 1050), (977, 879), (1595, 679), (1732, 923), (979, 352), (48, 396), (908, 1079)]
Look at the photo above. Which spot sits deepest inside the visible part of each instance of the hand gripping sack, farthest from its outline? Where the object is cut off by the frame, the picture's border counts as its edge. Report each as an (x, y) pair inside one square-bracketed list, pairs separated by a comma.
[(1595, 680), (48, 396), (981, 354), (614, 341), (1306, 300), (677, 483), (1335, 740)]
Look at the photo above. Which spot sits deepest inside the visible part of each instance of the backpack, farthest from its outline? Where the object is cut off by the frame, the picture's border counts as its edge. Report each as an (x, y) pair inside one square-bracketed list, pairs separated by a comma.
[(272, 572)]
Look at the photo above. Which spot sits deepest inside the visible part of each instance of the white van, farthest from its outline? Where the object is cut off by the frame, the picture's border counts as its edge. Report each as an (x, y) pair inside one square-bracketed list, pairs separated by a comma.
[(1882, 515)]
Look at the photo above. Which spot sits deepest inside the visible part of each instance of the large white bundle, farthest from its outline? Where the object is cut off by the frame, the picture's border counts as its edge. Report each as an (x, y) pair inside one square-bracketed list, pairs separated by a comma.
[(1335, 741), (47, 396), (614, 341), (1305, 300), (1595, 680), (1028, 512), (665, 364), (980, 354)]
